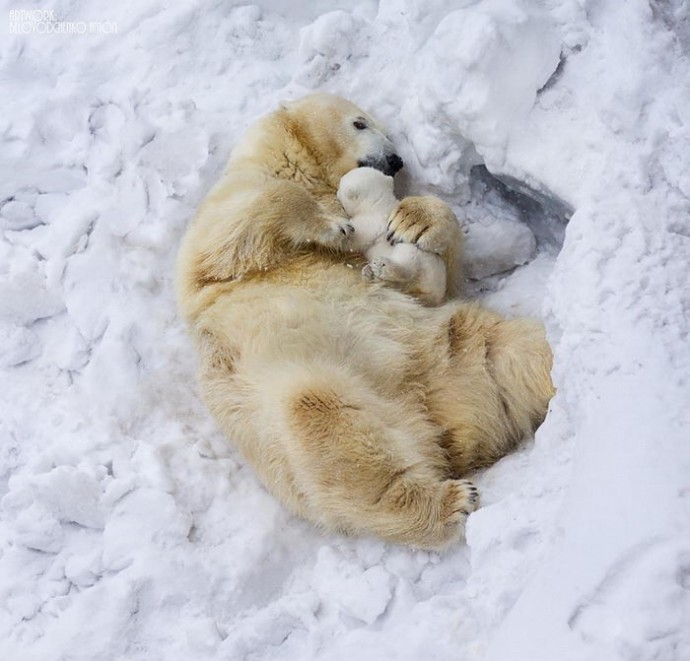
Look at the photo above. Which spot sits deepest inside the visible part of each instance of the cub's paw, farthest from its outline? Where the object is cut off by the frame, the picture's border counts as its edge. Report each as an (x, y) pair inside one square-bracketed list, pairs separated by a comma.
[(368, 273), (379, 269), (337, 231), (460, 500), (426, 222)]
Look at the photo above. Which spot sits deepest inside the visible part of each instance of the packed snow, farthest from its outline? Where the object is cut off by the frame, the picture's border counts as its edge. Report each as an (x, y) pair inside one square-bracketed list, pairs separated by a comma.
[(130, 528)]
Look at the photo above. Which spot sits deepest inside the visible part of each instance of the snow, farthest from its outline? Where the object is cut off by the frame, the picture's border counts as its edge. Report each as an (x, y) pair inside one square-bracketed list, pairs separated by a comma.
[(130, 528)]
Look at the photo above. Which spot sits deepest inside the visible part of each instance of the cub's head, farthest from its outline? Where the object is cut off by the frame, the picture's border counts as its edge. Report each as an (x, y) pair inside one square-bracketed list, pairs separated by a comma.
[(365, 189), (339, 136)]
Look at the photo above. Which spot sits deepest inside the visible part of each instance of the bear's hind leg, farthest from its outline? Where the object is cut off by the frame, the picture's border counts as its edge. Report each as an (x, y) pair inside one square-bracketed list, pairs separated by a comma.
[(365, 467), (493, 387), (520, 362)]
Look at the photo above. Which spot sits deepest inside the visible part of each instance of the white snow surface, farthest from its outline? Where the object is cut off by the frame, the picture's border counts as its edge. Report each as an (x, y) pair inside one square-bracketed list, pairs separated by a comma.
[(131, 529)]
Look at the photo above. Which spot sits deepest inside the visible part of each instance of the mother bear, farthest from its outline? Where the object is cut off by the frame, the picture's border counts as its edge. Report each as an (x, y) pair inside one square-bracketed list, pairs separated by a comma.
[(359, 408)]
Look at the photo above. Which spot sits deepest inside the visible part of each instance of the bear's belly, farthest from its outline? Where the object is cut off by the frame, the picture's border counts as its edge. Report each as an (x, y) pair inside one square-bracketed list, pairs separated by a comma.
[(335, 322)]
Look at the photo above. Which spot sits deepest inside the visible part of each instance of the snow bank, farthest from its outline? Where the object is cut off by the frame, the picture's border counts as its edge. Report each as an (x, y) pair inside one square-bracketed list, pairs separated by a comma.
[(130, 529)]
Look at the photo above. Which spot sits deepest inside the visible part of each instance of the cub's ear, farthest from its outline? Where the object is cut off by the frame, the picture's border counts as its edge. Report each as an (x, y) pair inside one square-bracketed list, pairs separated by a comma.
[(388, 183)]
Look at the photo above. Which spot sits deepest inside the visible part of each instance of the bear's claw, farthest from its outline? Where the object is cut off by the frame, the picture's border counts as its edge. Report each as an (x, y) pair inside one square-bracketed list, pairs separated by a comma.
[(461, 499), (425, 222), (337, 230)]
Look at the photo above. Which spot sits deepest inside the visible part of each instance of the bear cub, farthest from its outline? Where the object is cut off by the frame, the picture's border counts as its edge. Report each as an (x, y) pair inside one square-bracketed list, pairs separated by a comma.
[(367, 197)]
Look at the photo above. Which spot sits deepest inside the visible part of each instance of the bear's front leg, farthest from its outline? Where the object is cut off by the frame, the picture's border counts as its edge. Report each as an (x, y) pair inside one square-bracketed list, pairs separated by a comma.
[(335, 230), (426, 222), (303, 219), (429, 224)]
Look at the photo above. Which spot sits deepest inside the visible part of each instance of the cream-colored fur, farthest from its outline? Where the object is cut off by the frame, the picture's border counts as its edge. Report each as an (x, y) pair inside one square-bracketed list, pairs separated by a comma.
[(368, 199), (359, 408)]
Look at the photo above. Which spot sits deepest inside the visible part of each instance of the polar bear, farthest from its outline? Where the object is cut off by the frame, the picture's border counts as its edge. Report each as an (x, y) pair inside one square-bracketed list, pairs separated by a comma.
[(359, 408), (367, 196)]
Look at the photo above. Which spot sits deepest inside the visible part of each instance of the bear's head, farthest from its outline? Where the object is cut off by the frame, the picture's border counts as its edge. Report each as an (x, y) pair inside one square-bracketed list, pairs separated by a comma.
[(340, 136), (365, 189)]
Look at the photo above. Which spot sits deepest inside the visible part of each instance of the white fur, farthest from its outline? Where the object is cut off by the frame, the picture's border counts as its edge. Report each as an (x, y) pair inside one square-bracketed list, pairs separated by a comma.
[(359, 408), (367, 197)]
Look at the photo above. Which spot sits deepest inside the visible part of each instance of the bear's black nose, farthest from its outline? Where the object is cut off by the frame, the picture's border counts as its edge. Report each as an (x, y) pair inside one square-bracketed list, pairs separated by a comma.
[(393, 164)]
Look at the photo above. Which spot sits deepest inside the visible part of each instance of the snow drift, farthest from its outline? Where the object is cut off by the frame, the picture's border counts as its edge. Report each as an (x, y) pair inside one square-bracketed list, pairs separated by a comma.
[(130, 528)]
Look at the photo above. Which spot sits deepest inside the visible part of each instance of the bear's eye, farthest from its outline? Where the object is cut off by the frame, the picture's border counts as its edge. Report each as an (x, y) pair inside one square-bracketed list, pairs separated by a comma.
[(359, 124)]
